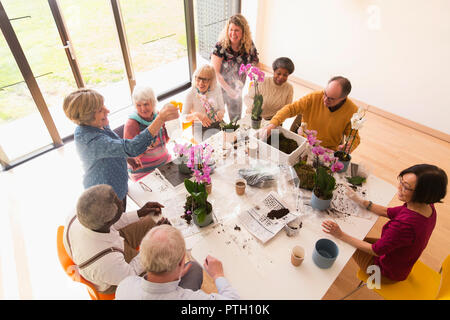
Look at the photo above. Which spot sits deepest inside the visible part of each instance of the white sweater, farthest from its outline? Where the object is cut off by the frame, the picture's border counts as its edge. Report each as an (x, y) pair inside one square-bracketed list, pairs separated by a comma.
[(193, 103), (274, 97)]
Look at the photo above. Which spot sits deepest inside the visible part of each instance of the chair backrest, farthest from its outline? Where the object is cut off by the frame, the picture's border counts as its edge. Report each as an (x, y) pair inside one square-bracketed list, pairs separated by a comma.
[(444, 287), (71, 269)]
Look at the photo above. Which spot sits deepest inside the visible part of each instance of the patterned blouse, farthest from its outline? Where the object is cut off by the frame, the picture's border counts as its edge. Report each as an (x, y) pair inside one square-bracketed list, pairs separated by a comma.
[(232, 62)]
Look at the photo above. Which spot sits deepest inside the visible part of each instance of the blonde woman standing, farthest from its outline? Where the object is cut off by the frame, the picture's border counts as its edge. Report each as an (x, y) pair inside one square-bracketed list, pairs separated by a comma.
[(235, 47), (204, 103)]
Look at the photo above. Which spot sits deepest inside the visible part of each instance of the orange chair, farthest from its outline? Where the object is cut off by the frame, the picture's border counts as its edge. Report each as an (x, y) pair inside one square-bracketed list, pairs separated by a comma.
[(72, 271)]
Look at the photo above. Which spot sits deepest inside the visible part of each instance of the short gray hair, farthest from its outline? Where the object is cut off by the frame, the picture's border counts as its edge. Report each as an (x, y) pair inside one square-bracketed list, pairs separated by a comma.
[(162, 249), (144, 93), (285, 63), (96, 206)]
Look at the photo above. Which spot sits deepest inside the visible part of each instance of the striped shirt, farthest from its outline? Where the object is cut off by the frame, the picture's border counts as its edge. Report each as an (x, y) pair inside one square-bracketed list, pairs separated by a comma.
[(156, 154)]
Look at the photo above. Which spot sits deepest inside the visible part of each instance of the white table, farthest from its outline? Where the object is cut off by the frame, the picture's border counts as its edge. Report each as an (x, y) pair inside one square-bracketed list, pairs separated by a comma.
[(256, 270)]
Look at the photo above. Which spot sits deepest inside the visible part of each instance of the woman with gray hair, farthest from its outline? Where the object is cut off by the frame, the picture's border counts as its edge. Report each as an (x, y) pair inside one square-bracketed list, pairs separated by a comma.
[(168, 277), (102, 240), (103, 153), (204, 103), (156, 154), (276, 91)]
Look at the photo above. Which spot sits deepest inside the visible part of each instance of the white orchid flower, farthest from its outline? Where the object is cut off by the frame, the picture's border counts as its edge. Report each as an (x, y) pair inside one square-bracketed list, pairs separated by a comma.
[(358, 119)]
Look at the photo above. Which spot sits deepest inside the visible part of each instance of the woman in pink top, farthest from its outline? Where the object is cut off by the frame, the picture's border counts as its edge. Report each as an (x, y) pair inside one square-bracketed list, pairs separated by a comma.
[(406, 234), (156, 154)]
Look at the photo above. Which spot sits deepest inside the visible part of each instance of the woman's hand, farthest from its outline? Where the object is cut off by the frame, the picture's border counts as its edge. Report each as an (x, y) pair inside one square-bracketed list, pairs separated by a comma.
[(220, 115), (233, 94), (153, 208), (332, 228), (206, 121), (169, 112), (354, 196), (135, 163)]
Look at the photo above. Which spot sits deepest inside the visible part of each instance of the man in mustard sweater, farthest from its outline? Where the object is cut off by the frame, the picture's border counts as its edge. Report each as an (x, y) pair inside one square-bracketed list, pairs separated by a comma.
[(327, 111)]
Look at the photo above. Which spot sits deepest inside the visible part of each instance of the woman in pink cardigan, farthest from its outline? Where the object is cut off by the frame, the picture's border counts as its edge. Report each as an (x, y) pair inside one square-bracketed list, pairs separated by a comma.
[(406, 234)]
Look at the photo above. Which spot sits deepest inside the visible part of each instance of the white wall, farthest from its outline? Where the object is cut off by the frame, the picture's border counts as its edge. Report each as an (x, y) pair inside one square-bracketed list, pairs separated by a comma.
[(396, 53)]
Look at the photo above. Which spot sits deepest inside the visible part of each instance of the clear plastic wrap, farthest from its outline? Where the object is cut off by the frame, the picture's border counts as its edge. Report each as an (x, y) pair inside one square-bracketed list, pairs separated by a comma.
[(260, 176)]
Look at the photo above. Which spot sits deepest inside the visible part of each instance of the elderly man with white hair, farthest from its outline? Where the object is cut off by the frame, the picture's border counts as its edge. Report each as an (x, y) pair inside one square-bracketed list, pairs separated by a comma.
[(103, 241), (145, 114), (163, 254)]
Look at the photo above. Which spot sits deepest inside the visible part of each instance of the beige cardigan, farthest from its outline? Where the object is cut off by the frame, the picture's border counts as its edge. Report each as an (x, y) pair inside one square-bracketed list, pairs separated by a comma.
[(275, 97)]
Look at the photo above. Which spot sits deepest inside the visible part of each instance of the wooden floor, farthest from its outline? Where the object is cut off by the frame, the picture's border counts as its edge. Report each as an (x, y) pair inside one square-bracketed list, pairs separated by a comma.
[(36, 197)]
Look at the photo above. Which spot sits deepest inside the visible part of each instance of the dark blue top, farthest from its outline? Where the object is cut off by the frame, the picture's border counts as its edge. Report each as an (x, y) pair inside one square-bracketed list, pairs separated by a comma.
[(103, 155)]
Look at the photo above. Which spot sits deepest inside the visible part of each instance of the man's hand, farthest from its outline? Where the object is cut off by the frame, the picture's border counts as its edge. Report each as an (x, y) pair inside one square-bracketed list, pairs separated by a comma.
[(163, 221), (153, 208), (264, 133), (213, 267)]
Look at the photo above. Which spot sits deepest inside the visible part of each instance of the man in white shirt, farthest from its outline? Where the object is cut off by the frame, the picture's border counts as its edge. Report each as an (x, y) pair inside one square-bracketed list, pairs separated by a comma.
[(163, 253), (103, 241)]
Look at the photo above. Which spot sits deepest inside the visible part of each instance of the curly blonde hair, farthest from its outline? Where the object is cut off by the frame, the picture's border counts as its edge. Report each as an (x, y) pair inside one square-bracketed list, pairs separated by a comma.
[(246, 41)]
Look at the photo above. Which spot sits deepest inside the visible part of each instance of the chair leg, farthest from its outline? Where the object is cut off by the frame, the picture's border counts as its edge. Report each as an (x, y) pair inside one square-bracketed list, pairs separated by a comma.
[(360, 285)]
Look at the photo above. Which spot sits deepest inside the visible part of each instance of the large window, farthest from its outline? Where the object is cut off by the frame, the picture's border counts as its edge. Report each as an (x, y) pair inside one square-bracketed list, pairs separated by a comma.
[(156, 35), (52, 47)]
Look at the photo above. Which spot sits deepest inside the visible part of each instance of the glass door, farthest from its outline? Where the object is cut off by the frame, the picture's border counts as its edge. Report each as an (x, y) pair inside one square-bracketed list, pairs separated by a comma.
[(156, 33), (96, 47), (29, 28)]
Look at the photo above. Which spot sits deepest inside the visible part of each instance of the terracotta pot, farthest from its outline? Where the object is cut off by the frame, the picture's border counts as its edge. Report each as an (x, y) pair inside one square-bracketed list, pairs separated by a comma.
[(240, 186)]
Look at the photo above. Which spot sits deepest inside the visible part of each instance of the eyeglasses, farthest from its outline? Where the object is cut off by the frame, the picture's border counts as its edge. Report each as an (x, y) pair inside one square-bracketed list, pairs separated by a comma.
[(404, 186), (331, 99), (200, 79)]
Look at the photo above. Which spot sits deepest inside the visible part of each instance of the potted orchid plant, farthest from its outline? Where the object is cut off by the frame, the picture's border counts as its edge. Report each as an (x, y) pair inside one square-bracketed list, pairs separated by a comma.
[(197, 205), (229, 131), (256, 76), (324, 164), (182, 151), (356, 123)]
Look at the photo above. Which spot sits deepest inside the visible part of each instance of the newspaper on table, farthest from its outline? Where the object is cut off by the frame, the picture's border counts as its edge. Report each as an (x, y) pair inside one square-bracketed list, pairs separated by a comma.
[(256, 221)]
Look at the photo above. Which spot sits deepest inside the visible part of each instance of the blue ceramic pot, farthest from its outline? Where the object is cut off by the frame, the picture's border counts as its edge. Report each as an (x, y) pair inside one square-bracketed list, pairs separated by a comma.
[(325, 253), (319, 204)]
